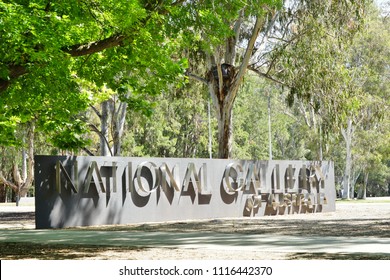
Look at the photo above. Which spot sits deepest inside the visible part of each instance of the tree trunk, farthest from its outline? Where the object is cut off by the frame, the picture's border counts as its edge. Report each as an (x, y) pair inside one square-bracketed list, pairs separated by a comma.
[(365, 185), (269, 128), (225, 132), (30, 160), (347, 134), (320, 148), (224, 81), (24, 163), (104, 148), (112, 120), (118, 124), (220, 90), (22, 183), (354, 177), (220, 80)]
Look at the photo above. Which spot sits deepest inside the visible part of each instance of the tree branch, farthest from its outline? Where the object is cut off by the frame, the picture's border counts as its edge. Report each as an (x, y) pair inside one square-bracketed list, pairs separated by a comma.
[(96, 111), (7, 182), (95, 129), (232, 41), (217, 56), (15, 71), (95, 47), (196, 77), (267, 76), (88, 151), (248, 53), (30, 161)]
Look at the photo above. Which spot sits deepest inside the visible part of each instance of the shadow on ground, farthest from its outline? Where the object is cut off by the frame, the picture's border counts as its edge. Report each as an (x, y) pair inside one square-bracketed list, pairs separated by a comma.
[(353, 227), (18, 250), (246, 232), (17, 217)]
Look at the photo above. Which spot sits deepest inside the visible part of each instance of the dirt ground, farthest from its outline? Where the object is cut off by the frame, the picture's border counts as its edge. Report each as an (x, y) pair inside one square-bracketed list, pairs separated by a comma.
[(351, 219)]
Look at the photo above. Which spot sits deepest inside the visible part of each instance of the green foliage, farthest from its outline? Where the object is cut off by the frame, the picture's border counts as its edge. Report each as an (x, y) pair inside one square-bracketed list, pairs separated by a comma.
[(205, 25), (177, 128), (291, 138), (8, 128), (313, 64), (370, 59), (251, 121), (41, 39), (330, 62)]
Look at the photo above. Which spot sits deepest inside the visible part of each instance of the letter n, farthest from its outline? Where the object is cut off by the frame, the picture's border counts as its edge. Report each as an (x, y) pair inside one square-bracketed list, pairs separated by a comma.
[(60, 169)]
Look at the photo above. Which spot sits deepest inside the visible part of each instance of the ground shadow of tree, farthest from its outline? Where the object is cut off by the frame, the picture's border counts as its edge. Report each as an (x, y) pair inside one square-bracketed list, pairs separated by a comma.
[(339, 256), (21, 250), (18, 251)]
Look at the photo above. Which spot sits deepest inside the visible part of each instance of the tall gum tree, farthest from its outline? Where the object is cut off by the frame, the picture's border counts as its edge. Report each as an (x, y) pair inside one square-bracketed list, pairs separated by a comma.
[(258, 36), (369, 59), (228, 55)]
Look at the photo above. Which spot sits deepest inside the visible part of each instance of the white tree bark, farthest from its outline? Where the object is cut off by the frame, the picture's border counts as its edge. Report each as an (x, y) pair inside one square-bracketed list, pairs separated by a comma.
[(118, 125), (21, 183), (223, 88), (104, 117), (347, 135)]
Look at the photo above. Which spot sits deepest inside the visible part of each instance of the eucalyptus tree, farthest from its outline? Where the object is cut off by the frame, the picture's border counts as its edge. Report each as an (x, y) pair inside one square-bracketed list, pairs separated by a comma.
[(228, 44), (342, 84), (261, 36), (19, 180), (369, 59)]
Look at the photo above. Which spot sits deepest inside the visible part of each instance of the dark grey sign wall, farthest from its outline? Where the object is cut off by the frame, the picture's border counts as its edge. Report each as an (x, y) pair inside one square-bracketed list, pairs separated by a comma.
[(82, 191)]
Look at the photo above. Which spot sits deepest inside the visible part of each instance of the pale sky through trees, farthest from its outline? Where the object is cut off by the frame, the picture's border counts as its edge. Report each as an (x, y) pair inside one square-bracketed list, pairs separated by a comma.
[(383, 4)]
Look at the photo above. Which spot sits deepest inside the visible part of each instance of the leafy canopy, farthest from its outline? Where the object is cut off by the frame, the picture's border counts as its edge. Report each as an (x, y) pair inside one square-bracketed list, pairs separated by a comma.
[(57, 57)]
